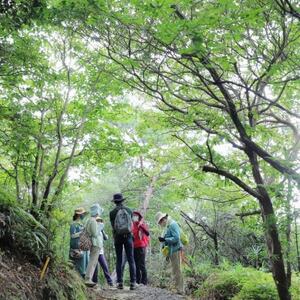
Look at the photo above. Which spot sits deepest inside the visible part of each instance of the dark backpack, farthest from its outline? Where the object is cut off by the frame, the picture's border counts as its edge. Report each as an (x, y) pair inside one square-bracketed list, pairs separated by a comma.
[(123, 222)]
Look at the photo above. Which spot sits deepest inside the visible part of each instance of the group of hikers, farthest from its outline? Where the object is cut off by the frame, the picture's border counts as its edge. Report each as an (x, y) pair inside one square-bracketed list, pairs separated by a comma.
[(131, 237)]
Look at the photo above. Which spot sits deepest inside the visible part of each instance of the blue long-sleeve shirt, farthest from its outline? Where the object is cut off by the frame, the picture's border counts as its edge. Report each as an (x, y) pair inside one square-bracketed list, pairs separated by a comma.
[(75, 230), (172, 237)]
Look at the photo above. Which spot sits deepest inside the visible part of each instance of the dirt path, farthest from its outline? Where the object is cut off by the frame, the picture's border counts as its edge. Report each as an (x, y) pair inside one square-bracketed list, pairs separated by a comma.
[(142, 292)]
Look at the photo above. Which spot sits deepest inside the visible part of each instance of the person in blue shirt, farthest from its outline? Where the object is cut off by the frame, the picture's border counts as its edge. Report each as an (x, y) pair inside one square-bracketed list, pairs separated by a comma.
[(171, 238), (78, 257)]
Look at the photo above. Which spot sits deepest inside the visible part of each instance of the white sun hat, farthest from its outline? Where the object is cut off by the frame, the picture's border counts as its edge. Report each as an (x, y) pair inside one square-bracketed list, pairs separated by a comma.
[(159, 216)]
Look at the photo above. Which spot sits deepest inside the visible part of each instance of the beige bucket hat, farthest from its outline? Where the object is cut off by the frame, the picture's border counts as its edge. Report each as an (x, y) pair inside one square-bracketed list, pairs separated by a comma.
[(159, 216), (80, 211)]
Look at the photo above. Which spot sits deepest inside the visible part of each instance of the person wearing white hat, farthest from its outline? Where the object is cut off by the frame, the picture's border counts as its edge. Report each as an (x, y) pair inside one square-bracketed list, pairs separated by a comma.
[(171, 238)]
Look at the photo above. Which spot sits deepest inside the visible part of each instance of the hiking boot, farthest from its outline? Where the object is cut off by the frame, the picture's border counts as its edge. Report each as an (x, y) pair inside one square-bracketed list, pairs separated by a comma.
[(97, 288), (133, 286), (180, 293), (120, 286), (90, 283)]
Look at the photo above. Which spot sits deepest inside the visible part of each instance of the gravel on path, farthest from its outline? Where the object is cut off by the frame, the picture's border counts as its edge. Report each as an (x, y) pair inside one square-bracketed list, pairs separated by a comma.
[(142, 292)]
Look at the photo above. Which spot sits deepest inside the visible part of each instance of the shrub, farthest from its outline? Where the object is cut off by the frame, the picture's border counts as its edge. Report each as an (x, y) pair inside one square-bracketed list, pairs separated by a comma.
[(198, 270), (257, 285), (21, 231), (27, 234), (219, 286), (238, 283), (295, 288), (196, 274)]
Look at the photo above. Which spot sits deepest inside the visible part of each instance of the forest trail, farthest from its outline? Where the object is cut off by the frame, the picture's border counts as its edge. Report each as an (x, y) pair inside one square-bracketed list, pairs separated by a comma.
[(19, 279), (142, 292)]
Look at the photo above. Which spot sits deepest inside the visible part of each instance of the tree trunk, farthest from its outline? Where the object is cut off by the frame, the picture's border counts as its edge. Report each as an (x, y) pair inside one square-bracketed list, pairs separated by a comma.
[(17, 186), (16, 167), (274, 249), (216, 247), (271, 232), (296, 240), (59, 134), (34, 180), (148, 194), (37, 164), (288, 233)]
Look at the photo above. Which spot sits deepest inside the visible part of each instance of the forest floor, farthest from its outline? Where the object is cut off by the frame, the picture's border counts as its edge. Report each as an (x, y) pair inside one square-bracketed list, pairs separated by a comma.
[(19, 279), (142, 292)]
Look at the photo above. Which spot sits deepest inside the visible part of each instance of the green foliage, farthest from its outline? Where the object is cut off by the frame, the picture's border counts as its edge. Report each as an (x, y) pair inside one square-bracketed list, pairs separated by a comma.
[(21, 230), (15, 14), (71, 101), (6, 199), (295, 288), (257, 290), (238, 283), (217, 286), (27, 234)]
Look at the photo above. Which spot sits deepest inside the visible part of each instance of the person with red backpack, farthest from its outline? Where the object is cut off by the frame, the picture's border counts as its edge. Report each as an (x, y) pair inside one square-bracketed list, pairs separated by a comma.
[(141, 238)]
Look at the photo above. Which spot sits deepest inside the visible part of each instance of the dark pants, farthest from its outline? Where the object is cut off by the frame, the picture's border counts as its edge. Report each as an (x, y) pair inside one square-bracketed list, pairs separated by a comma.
[(125, 241), (140, 264), (104, 266)]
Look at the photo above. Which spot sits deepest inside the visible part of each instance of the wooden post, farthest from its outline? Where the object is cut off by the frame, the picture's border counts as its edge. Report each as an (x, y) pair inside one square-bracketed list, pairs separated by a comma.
[(44, 268)]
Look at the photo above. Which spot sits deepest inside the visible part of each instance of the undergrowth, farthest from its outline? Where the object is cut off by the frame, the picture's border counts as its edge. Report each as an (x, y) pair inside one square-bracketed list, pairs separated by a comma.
[(64, 283), (21, 230), (235, 282), (26, 238)]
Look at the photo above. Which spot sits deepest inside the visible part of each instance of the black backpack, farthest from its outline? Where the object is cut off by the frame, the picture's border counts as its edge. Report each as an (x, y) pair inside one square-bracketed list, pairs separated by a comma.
[(123, 222)]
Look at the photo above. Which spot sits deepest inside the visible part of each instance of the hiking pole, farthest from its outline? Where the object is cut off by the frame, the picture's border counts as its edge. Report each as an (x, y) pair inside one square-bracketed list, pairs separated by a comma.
[(44, 267)]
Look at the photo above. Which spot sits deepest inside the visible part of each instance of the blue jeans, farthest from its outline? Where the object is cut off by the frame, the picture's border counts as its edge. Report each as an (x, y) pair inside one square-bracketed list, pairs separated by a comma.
[(127, 242)]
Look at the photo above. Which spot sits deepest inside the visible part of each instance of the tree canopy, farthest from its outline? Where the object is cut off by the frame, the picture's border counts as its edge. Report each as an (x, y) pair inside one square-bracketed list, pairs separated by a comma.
[(195, 104)]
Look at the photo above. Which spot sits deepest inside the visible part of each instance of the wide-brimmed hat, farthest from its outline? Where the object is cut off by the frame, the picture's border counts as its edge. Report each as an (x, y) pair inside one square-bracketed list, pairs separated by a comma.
[(136, 212), (118, 198), (80, 211), (99, 219), (160, 215), (95, 210)]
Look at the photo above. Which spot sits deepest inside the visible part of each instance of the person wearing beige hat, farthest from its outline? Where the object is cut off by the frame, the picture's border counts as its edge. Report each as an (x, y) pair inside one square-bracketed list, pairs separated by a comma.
[(171, 238), (78, 257)]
